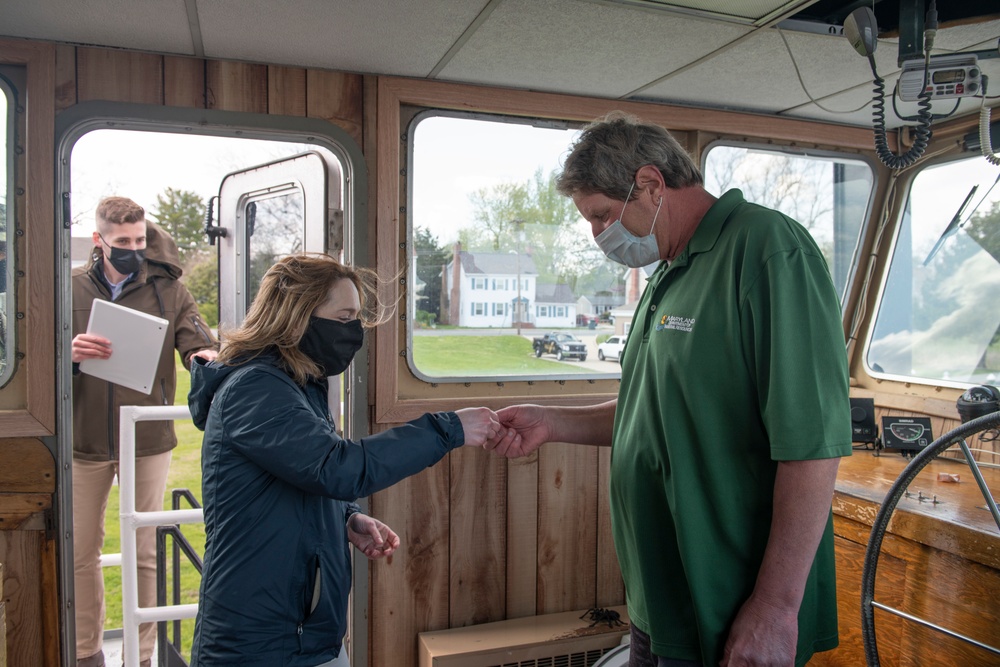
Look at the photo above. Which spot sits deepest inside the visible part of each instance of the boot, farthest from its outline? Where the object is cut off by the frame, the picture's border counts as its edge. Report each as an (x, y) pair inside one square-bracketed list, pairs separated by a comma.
[(96, 660)]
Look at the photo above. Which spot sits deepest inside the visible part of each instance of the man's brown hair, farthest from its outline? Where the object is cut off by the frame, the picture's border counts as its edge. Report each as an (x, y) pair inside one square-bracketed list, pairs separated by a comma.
[(118, 211)]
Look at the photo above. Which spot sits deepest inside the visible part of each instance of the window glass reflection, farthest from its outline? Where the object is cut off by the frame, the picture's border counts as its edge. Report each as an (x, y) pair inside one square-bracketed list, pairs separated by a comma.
[(275, 228), (6, 187), (828, 196), (500, 259), (937, 316)]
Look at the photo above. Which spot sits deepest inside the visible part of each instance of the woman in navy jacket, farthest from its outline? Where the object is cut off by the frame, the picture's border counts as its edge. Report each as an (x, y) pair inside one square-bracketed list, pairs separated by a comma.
[(279, 483)]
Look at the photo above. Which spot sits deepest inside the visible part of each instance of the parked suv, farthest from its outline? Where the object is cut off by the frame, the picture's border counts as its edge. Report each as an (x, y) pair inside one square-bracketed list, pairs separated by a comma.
[(563, 345), (611, 348)]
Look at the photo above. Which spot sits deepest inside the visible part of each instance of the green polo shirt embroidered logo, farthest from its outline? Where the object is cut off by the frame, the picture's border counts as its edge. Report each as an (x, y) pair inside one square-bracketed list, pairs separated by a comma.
[(676, 323)]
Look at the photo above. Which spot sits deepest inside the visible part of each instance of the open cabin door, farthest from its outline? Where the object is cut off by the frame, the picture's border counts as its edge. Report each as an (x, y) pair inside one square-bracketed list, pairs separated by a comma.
[(267, 212)]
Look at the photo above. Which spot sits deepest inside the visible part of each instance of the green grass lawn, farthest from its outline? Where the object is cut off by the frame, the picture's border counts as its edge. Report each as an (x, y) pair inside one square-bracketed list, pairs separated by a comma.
[(444, 356), (448, 356)]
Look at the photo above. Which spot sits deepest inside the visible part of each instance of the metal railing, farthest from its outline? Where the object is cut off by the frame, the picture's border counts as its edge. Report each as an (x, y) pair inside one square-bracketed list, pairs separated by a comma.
[(131, 520), (169, 651)]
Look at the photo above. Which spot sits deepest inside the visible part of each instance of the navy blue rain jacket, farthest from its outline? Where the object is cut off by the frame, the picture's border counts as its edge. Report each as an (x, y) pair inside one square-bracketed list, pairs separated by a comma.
[(278, 484)]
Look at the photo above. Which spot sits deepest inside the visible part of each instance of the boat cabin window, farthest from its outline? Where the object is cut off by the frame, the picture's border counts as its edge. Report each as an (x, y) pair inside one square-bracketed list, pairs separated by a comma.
[(499, 258), (8, 302), (828, 195), (937, 320)]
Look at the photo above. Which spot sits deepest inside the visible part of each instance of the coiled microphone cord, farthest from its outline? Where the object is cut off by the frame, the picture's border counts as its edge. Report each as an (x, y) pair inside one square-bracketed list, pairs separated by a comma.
[(922, 132)]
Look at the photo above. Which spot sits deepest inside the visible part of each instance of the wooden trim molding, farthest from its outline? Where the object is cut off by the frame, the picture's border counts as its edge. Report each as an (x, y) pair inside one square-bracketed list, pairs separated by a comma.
[(35, 220)]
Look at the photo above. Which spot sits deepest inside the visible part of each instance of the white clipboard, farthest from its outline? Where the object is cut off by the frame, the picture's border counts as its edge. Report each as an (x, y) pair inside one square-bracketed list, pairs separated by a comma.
[(136, 342)]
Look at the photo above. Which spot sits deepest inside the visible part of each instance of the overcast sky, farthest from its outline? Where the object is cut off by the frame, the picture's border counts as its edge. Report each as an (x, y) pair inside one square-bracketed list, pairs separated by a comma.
[(453, 160)]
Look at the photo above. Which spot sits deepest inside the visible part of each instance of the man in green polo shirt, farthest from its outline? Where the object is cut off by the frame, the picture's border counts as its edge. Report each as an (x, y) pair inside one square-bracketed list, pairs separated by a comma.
[(732, 414)]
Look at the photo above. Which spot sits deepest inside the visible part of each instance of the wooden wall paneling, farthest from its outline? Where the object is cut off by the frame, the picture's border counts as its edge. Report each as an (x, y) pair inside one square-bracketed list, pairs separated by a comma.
[(65, 82), (410, 588), (3, 622), (338, 98), (286, 91), (49, 584), (119, 76), (954, 593), (369, 146), (948, 591), (21, 555), (26, 466), (851, 649), (610, 587), (184, 82), (477, 537), (386, 199), (567, 527), (522, 536), (232, 86)]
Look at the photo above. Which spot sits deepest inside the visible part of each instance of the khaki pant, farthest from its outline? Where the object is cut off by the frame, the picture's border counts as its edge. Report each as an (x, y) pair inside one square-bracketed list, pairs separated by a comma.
[(92, 481)]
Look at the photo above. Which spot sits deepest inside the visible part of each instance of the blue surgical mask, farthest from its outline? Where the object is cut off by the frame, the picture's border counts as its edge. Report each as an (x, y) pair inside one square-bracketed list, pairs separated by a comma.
[(624, 247)]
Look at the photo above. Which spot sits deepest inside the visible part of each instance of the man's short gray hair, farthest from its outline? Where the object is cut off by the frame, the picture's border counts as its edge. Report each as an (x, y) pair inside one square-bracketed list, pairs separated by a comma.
[(609, 152)]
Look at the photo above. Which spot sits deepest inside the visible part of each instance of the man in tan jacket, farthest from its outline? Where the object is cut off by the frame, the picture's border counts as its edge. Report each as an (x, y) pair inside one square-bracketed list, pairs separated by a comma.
[(135, 264)]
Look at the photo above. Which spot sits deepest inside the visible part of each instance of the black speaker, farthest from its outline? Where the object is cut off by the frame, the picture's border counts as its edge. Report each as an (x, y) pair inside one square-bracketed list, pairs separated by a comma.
[(863, 420)]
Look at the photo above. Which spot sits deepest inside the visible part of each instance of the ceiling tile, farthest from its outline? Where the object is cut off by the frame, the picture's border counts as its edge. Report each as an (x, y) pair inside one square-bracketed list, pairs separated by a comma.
[(375, 36), (581, 47), (149, 25)]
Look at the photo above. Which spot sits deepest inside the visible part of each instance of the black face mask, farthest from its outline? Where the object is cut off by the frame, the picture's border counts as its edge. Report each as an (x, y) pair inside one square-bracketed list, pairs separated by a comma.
[(332, 344), (125, 261)]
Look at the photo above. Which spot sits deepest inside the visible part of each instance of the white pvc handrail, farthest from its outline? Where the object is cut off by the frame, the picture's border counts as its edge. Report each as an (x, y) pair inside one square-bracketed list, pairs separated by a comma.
[(132, 614)]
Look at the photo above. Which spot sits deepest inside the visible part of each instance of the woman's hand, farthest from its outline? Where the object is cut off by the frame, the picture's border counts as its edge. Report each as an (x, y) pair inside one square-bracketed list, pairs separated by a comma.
[(370, 536), (481, 426)]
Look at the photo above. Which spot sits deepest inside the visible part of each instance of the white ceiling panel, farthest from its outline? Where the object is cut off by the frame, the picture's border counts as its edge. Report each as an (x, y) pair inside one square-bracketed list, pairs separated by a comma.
[(146, 25), (962, 37), (580, 47), (754, 75), (733, 10), (631, 49), (375, 36)]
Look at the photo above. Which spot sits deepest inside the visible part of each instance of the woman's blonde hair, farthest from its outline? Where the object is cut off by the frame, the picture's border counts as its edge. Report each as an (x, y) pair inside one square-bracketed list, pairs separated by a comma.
[(289, 293)]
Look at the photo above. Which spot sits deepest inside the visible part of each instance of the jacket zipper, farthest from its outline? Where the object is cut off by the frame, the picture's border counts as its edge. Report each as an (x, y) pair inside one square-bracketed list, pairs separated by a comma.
[(111, 423), (201, 330), (163, 390)]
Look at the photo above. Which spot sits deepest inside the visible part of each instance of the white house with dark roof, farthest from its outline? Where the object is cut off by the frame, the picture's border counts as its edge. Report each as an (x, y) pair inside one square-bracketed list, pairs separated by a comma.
[(555, 306), (483, 289), (596, 305)]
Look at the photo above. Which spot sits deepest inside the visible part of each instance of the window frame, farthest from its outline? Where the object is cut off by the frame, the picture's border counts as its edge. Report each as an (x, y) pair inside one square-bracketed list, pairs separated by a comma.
[(891, 245)]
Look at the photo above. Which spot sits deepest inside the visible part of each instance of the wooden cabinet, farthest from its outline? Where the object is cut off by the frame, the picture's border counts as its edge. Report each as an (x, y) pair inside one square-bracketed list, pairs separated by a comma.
[(940, 561)]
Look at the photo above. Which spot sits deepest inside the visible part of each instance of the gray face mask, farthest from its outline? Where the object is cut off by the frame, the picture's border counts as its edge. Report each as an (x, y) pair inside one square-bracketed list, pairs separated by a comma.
[(622, 246)]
